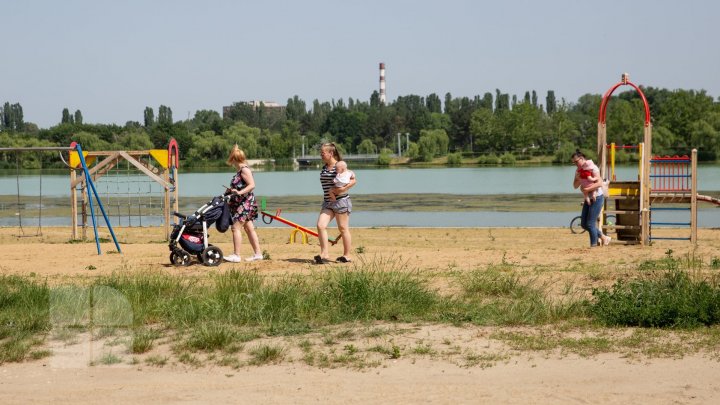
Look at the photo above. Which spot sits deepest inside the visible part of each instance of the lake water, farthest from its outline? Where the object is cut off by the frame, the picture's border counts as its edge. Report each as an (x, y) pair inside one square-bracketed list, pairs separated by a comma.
[(469, 181), (473, 181)]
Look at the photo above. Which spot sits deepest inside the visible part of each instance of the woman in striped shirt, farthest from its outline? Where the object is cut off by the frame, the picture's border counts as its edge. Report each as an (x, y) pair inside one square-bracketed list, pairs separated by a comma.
[(339, 209)]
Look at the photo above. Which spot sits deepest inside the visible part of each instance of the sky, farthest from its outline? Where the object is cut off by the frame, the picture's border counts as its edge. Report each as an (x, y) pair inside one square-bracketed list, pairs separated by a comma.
[(110, 59)]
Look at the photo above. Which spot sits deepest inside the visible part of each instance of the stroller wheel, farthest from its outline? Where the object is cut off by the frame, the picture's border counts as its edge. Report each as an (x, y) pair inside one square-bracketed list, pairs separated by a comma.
[(179, 258), (212, 256)]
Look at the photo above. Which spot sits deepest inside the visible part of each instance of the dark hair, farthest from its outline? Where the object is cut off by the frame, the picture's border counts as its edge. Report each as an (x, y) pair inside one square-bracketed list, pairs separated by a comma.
[(577, 154)]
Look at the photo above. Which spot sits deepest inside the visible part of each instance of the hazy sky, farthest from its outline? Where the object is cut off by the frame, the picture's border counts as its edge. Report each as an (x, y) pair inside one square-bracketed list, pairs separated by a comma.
[(112, 58)]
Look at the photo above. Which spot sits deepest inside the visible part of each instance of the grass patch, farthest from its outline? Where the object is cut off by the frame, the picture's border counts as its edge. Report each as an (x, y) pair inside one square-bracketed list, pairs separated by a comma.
[(142, 340), (157, 360), (108, 359), (672, 300), (210, 337), (265, 354), (373, 298)]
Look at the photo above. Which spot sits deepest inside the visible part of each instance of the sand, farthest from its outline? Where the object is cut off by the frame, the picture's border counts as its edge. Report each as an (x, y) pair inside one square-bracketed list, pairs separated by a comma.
[(496, 373)]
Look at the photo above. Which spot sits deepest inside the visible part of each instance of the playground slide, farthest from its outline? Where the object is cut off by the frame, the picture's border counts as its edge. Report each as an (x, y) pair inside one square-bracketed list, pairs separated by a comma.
[(709, 199)]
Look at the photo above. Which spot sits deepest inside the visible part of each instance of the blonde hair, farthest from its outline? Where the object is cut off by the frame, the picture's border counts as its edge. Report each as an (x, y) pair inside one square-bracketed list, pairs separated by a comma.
[(330, 147), (237, 156)]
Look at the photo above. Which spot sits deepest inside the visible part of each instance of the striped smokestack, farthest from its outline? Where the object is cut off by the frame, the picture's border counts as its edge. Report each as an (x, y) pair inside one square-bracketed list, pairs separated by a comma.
[(382, 83)]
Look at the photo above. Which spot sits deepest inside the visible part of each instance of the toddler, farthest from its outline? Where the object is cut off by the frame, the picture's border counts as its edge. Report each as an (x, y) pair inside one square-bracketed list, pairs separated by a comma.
[(586, 179), (342, 177)]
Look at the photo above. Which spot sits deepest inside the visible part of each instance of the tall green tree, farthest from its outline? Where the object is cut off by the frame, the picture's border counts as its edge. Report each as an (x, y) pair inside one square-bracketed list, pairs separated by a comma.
[(165, 116), (148, 117), (482, 128), (460, 116), (65, 116), (432, 143), (502, 101), (12, 117), (295, 109), (207, 120), (291, 136), (78, 117), (345, 127), (434, 105), (550, 102), (375, 99), (486, 101)]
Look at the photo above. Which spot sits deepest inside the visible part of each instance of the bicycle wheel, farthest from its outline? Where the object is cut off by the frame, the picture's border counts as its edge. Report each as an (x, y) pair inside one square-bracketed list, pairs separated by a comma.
[(610, 220), (575, 225)]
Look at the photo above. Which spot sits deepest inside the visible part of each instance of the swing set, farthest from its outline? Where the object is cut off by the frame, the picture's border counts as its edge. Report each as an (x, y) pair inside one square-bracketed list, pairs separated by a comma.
[(73, 147), (24, 204), (83, 185)]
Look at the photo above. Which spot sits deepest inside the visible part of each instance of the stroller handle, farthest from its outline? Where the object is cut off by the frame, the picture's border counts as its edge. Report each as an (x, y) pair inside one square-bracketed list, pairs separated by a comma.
[(179, 215)]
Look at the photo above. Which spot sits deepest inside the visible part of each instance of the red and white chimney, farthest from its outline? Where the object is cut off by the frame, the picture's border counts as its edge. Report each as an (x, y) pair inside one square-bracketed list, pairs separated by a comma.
[(382, 83)]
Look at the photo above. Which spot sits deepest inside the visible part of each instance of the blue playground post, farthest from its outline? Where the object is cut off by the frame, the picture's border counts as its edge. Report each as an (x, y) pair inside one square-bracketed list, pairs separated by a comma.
[(88, 180)]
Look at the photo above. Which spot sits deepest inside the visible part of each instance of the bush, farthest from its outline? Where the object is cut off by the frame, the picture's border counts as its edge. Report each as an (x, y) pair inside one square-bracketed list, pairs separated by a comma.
[(413, 151), (489, 160), (674, 300), (384, 158), (454, 159), (507, 158)]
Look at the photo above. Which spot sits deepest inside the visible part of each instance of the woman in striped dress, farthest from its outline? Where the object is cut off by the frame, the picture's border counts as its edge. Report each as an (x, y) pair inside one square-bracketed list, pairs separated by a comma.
[(339, 209)]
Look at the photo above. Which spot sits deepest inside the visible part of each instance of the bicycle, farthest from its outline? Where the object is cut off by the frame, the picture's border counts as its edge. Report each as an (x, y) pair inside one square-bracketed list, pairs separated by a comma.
[(575, 223)]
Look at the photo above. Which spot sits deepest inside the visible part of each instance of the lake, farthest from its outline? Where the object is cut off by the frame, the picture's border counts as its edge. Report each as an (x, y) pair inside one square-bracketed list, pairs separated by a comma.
[(469, 181)]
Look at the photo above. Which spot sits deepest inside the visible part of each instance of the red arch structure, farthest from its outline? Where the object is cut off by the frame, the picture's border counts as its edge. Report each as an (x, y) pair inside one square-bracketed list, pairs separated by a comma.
[(602, 115), (174, 154), (606, 98)]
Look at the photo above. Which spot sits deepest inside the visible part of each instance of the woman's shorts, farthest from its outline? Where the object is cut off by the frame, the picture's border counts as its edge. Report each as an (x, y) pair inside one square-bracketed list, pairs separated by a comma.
[(342, 206)]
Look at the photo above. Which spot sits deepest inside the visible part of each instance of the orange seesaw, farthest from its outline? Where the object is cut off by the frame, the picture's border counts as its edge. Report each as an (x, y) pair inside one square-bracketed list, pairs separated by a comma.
[(304, 232)]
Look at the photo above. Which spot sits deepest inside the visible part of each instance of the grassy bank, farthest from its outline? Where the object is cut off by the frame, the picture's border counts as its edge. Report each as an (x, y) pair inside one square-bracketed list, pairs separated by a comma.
[(213, 317)]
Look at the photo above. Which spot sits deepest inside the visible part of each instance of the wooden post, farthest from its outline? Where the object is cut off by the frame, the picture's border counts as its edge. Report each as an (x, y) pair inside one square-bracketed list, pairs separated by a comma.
[(166, 204), (643, 203), (176, 184), (84, 191), (602, 157), (73, 204), (646, 185), (693, 198)]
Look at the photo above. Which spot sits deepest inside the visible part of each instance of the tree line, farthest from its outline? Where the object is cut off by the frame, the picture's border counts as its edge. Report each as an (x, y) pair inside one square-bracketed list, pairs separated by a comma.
[(492, 128)]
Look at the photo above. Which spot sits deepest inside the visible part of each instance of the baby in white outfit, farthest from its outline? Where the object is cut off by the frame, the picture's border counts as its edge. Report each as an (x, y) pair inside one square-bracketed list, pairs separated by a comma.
[(342, 177)]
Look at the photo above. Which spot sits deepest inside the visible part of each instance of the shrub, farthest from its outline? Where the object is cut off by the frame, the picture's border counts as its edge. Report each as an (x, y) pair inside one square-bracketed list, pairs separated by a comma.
[(454, 159), (384, 158), (489, 160), (674, 300), (507, 158)]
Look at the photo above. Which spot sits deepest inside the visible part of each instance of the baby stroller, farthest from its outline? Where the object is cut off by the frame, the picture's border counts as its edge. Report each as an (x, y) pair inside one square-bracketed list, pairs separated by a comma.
[(190, 237)]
